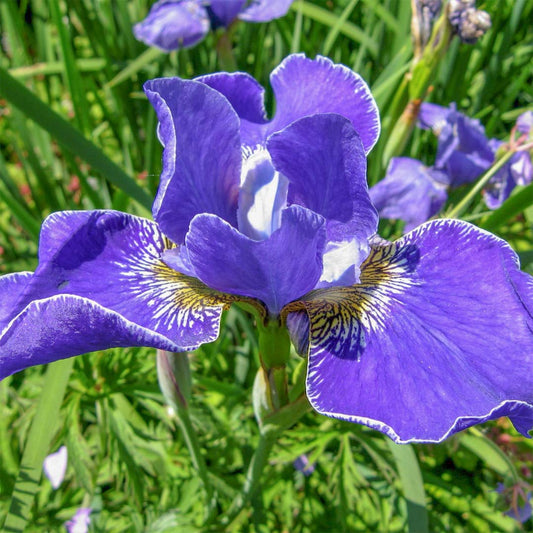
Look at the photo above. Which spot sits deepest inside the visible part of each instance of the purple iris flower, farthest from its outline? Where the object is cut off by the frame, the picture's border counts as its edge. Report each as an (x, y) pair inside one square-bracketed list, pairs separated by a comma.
[(173, 24), (463, 151), (419, 338), (517, 171), (410, 191)]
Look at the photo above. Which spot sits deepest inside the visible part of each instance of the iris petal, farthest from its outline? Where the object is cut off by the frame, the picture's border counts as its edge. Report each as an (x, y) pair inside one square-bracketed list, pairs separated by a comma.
[(324, 161), (305, 87), (265, 10), (202, 154), (108, 264), (437, 337), (276, 270), (173, 25)]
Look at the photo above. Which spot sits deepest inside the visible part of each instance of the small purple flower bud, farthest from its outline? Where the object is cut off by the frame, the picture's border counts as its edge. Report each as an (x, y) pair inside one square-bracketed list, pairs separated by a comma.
[(468, 22), (302, 464)]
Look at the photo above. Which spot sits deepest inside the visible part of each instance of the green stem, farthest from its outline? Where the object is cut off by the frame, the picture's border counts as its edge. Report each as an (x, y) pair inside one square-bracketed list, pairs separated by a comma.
[(465, 202), (273, 427), (226, 59)]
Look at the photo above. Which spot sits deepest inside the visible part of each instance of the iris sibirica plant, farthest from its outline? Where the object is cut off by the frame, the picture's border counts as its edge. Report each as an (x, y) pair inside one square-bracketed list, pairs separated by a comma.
[(173, 24), (418, 338)]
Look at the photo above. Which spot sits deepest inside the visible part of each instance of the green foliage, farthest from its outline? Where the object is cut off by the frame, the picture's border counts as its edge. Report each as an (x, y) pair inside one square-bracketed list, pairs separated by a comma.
[(76, 132)]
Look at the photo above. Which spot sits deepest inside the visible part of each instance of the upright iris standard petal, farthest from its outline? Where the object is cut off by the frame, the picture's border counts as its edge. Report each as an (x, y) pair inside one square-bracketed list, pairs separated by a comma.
[(202, 154), (276, 270), (305, 86), (410, 191), (101, 283), (437, 337), (172, 25), (324, 161), (302, 87)]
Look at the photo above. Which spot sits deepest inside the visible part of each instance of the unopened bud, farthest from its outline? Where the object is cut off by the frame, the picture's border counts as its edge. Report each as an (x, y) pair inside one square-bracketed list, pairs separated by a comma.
[(174, 376), (468, 22)]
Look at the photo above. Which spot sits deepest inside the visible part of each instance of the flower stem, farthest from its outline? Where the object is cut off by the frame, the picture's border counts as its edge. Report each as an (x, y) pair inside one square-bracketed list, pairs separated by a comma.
[(226, 59), (273, 427), (465, 202)]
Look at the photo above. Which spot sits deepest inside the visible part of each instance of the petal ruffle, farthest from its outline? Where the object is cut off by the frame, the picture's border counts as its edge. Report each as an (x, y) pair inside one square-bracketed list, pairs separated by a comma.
[(305, 87), (114, 260), (63, 326), (202, 154), (437, 337), (276, 270), (173, 25)]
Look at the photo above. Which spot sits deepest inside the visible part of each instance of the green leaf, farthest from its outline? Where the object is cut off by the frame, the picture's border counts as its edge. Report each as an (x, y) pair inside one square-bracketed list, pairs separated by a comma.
[(413, 486), (37, 445), (70, 137)]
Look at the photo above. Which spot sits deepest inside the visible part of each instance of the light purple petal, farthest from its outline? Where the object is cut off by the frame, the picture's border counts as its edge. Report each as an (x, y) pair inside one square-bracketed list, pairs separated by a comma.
[(277, 270), (438, 337), (433, 116), (265, 10), (324, 161), (410, 191), (173, 25), (524, 123), (55, 466), (80, 521), (202, 155), (305, 87)]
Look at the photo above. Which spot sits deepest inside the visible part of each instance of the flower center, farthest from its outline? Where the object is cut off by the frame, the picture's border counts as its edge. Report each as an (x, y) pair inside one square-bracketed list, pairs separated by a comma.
[(262, 195)]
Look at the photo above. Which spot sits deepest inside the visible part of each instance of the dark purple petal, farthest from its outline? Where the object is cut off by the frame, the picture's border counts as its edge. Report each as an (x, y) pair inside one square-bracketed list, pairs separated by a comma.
[(202, 155), (410, 191), (243, 92), (114, 260), (172, 25), (265, 10), (437, 337), (325, 163), (276, 270), (225, 11), (305, 87)]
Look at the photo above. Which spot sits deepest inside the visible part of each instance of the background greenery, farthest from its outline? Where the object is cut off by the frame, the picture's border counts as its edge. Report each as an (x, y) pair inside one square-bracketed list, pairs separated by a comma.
[(83, 136)]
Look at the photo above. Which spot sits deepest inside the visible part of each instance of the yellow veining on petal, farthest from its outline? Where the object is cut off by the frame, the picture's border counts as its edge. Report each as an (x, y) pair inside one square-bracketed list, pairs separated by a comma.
[(339, 316)]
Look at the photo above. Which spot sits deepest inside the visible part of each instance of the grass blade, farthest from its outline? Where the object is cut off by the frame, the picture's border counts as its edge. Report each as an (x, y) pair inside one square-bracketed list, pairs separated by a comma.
[(37, 445), (70, 137)]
